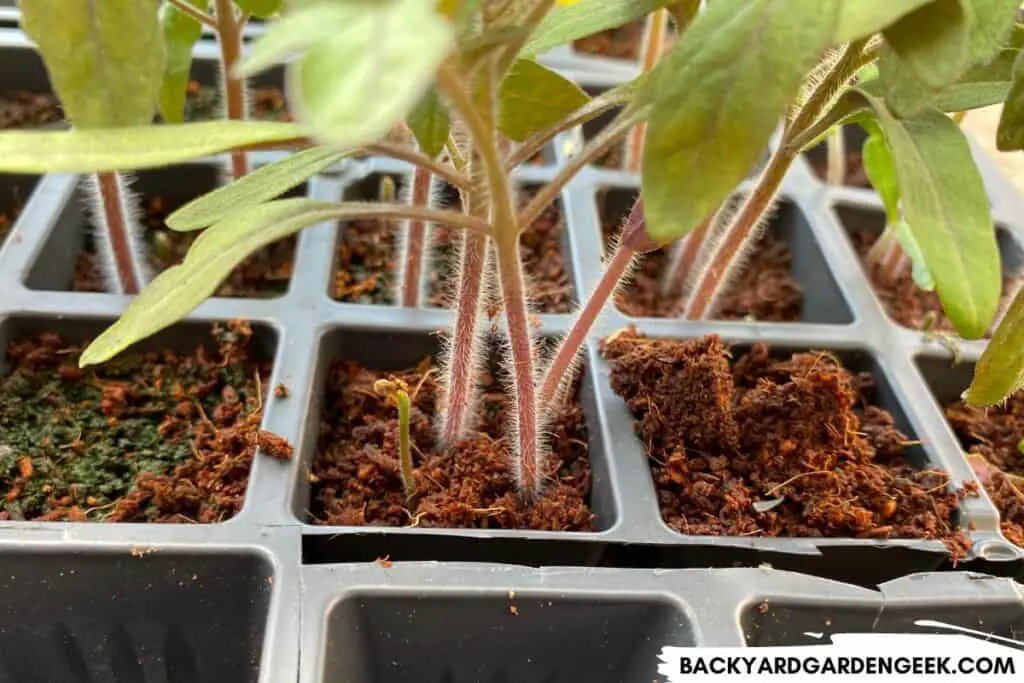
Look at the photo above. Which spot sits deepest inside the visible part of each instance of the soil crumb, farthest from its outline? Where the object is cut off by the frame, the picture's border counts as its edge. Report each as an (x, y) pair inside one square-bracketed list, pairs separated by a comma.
[(265, 274), (20, 109), (366, 260), (762, 446), (997, 435), (356, 481), (903, 300), (763, 288), (147, 437)]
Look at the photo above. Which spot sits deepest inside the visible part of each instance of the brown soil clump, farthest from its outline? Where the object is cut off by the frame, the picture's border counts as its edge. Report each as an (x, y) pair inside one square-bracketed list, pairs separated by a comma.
[(265, 274), (763, 289), (366, 259), (147, 437), (997, 435), (766, 447), (19, 109), (903, 300), (356, 479)]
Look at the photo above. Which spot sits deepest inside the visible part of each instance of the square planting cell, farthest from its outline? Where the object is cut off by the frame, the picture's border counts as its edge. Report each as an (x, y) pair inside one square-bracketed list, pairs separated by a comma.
[(752, 441), (165, 432), (903, 300), (14, 193), (74, 258), (353, 464), (182, 616), (992, 438), (369, 252), (499, 637), (783, 278)]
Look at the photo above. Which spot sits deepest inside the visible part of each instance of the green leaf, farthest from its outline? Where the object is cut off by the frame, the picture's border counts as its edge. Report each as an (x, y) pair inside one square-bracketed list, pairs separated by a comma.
[(947, 209), (211, 258), (919, 269), (858, 18), (1000, 370), (112, 149), (982, 86), (105, 59), (584, 18), (534, 98), (992, 22), (180, 33), (717, 96), (265, 183), (363, 65), (933, 41), (430, 123), (880, 167), (1010, 134), (261, 9)]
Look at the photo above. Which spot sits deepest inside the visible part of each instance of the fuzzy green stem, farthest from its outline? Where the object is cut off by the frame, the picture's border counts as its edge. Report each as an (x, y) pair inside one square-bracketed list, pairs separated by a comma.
[(229, 37), (116, 224), (199, 15), (513, 290), (593, 149), (405, 445)]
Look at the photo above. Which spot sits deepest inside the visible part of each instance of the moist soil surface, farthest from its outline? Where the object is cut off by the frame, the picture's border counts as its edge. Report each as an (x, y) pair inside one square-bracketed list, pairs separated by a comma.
[(763, 288), (148, 437), (355, 478), (366, 261), (264, 274), (996, 435), (20, 109), (904, 301), (751, 445)]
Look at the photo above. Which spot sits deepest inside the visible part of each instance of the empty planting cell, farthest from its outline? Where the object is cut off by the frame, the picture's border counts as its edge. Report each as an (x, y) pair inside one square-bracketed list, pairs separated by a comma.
[(369, 253), (75, 255), (119, 617), (165, 432), (892, 279), (355, 473), (266, 96), (26, 99), (993, 438), (782, 278), (755, 441), (14, 193), (499, 636)]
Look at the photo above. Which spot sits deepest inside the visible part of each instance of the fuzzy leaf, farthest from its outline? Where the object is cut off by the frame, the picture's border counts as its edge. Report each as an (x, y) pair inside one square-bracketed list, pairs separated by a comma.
[(265, 183), (982, 86), (112, 149), (947, 209), (933, 41), (858, 18), (105, 59), (363, 65), (717, 96), (919, 269), (1010, 134), (180, 33), (880, 167), (211, 258), (1000, 371), (430, 123), (261, 9), (533, 98), (565, 24)]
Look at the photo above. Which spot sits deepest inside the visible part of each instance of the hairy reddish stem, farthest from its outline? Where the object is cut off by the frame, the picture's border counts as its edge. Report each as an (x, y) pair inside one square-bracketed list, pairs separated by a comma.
[(655, 35), (229, 36), (560, 369), (415, 238), (722, 257), (117, 228), (464, 354)]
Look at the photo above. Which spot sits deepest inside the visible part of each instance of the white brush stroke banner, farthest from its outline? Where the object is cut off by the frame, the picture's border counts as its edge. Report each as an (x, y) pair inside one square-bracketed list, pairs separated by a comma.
[(965, 656)]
